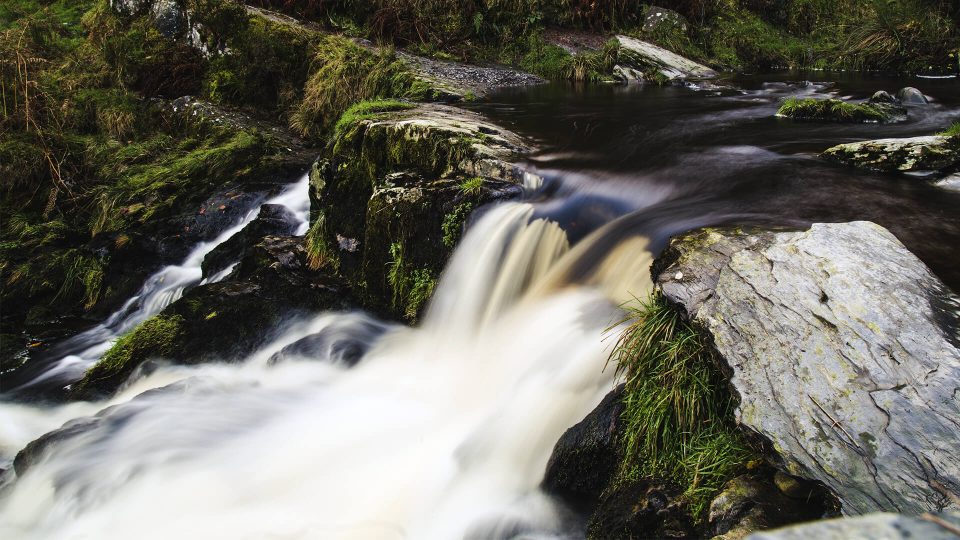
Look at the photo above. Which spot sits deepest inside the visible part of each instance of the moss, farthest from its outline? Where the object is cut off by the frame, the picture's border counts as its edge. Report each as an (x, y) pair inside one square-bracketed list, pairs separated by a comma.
[(678, 415), (453, 223), (832, 110), (410, 288), (366, 110), (155, 337)]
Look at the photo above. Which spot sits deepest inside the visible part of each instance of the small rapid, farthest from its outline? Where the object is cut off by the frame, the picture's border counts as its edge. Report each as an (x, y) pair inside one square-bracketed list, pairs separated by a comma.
[(72, 357), (439, 431)]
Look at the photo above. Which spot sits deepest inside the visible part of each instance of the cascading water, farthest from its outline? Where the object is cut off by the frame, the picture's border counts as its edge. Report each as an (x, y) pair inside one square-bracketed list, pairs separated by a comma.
[(75, 355), (441, 431)]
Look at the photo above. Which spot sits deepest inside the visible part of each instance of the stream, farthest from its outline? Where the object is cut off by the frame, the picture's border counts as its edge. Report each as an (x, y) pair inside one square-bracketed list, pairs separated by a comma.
[(444, 430)]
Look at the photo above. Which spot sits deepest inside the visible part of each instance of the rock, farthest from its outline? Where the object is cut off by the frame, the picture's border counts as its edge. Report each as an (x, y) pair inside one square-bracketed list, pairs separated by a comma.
[(879, 526), (911, 96), (587, 456), (662, 21), (641, 509), (389, 207), (225, 320), (929, 153), (753, 502), (168, 18), (843, 348), (37, 449), (640, 60), (882, 96), (273, 219)]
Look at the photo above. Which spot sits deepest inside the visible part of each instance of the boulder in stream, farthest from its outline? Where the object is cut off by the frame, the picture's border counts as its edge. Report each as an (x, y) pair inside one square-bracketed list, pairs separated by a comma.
[(643, 61), (844, 350), (929, 153), (911, 96), (389, 205), (886, 526)]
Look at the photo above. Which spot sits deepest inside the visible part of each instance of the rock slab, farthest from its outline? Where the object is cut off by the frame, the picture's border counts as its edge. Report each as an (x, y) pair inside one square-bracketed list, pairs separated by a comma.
[(637, 59), (880, 526), (931, 153), (844, 350)]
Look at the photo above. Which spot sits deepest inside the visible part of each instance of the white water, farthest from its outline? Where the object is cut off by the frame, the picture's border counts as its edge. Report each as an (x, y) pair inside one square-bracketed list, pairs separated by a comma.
[(161, 289), (441, 431)]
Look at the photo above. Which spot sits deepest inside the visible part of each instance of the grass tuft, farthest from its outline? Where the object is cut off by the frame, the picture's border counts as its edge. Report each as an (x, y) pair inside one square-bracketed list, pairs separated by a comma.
[(678, 414), (472, 186), (952, 131), (369, 109), (831, 110)]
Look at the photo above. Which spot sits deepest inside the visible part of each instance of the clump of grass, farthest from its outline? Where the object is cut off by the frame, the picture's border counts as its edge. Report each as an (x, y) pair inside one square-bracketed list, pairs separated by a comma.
[(952, 131), (678, 414), (318, 251), (347, 73), (472, 186), (368, 109), (831, 110)]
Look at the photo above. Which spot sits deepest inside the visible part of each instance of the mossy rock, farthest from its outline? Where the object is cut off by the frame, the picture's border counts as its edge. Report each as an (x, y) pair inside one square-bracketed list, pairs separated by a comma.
[(224, 321), (836, 110), (388, 205)]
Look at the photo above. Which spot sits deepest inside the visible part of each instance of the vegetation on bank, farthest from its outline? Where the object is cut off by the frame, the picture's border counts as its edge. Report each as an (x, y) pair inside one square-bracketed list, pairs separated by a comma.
[(952, 131), (678, 414), (891, 35)]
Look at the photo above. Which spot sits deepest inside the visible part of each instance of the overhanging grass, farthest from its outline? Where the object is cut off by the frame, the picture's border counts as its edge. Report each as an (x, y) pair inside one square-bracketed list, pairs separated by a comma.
[(678, 414), (831, 110), (952, 131)]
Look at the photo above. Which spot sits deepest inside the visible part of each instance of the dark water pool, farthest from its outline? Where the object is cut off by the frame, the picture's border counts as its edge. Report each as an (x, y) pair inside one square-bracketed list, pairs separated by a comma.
[(678, 158)]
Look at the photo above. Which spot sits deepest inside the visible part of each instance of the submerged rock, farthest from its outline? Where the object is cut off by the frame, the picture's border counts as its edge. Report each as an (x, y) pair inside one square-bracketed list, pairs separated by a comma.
[(931, 153), (390, 206), (754, 502), (844, 349), (642, 509), (882, 96), (639, 60), (886, 526)]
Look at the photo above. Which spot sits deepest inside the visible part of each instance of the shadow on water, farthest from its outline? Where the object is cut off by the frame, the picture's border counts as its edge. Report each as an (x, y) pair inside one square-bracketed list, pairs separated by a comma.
[(692, 158)]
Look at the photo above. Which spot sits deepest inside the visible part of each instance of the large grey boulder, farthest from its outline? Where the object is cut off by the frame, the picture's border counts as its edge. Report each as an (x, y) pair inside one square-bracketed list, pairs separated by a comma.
[(911, 96), (880, 526), (931, 153), (843, 348), (639, 60)]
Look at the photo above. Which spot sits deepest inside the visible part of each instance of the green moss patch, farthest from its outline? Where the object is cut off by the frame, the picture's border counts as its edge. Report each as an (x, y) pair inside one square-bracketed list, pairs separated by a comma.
[(155, 337), (366, 110), (833, 110), (678, 416)]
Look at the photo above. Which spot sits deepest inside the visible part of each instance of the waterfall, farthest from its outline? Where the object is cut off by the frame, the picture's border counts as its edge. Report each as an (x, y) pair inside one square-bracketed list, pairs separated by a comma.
[(75, 355), (440, 431)]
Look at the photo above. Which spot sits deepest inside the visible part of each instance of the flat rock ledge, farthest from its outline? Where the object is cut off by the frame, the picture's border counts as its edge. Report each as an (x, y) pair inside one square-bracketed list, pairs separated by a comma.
[(914, 154), (879, 526), (639, 60), (844, 351)]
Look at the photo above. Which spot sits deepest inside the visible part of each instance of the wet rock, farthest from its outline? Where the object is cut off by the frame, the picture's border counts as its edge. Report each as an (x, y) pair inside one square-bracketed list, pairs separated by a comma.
[(951, 182), (754, 502), (844, 349), (226, 320), (929, 153), (168, 18), (911, 96), (639, 60), (641, 509), (887, 526), (587, 456), (273, 219), (390, 206), (37, 449), (882, 96), (344, 341)]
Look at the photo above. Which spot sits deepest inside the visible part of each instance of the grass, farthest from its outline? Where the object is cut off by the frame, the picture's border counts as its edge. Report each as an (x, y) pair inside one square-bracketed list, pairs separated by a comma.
[(410, 288), (346, 73), (678, 415), (452, 225), (472, 186), (952, 131), (831, 110)]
